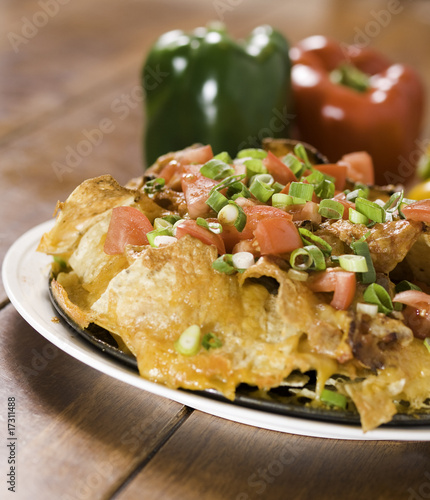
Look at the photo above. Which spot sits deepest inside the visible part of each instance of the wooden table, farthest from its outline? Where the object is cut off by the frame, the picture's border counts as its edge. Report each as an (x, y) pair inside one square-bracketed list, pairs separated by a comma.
[(65, 67)]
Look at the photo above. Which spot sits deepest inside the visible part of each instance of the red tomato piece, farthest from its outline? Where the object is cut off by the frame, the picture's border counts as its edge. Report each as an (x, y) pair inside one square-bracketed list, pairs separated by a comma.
[(128, 226), (172, 168), (419, 211), (195, 155), (307, 211), (336, 170), (254, 214), (196, 188), (206, 236), (342, 283), (278, 170), (277, 236), (359, 167)]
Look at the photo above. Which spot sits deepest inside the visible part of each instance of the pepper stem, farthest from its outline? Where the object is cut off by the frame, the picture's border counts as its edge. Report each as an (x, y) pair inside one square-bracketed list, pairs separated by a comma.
[(351, 77)]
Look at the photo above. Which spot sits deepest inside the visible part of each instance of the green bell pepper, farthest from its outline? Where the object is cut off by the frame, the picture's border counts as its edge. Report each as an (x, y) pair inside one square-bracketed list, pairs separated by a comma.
[(214, 90)]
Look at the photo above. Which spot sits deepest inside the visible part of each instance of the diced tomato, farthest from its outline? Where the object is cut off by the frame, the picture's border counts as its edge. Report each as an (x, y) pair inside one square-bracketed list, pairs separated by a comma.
[(172, 168), (342, 283), (336, 170), (128, 226), (414, 298), (277, 236), (419, 211), (195, 155), (204, 235), (278, 170), (359, 167), (196, 188), (254, 214), (307, 211)]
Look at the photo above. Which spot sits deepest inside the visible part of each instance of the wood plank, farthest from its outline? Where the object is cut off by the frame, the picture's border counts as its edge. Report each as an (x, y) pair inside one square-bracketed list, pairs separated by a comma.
[(212, 458), (80, 433)]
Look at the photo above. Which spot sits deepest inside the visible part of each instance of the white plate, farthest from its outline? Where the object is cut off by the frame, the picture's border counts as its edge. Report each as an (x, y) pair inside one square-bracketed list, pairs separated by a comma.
[(25, 277)]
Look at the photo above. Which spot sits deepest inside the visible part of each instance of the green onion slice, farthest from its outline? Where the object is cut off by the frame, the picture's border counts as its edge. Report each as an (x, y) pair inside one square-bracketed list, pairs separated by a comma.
[(376, 294), (261, 190), (255, 153), (405, 285), (325, 247), (370, 209), (294, 164), (188, 344), (162, 223), (215, 227), (254, 167), (223, 156), (361, 247), (301, 190), (325, 189), (393, 203), (210, 340), (300, 152), (357, 193), (353, 263), (232, 214), (154, 185), (158, 232), (216, 201), (427, 343), (216, 169), (300, 259), (281, 200), (357, 218), (224, 264), (238, 190), (172, 218), (318, 259), (331, 209), (333, 398)]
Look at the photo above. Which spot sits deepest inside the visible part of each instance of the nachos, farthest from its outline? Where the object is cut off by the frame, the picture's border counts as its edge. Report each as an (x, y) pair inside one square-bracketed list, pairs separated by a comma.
[(258, 270)]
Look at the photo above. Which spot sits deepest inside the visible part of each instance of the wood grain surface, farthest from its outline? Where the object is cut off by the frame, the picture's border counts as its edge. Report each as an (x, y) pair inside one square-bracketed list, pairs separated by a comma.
[(67, 69)]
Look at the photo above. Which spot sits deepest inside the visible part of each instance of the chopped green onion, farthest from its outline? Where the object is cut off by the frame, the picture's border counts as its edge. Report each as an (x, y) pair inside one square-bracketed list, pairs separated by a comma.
[(264, 178), (228, 181), (369, 309), (300, 152), (216, 201), (224, 156), (188, 344), (243, 260), (405, 285), (210, 340), (394, 202), (280, 200), (254, 167), (304, 233), (258, 154), (357, 218), (160, 223), (315, 177), (154, 185), (361, 247), (224, 264), (297, 275), (294, 164), (370, 209), (158, 232), (60, 262), (216, 169), (215, 227), (232, 214), (300, 259), (318, 258), (331, 209), (376, 294), (357, 193), (353, 263), (172, 218), (309, 257), (261, 190), (238, 190), (325, 189), (301, 190), (427, 343), (333, 398)]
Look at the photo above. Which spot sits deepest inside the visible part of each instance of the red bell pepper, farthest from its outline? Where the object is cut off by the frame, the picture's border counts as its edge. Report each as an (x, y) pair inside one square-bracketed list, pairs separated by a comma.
[(354, 99)]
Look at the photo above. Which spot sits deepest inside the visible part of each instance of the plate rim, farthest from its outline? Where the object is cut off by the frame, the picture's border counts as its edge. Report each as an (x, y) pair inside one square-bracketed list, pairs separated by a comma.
[(14, 265)]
